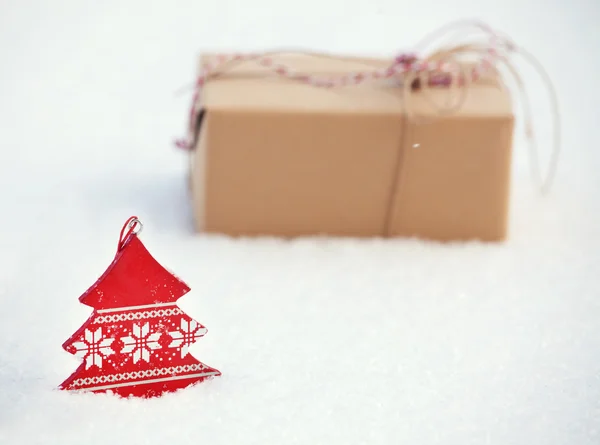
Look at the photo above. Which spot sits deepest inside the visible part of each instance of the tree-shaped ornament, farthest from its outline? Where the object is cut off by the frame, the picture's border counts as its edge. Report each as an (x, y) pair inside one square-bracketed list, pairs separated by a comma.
[(136, 341)]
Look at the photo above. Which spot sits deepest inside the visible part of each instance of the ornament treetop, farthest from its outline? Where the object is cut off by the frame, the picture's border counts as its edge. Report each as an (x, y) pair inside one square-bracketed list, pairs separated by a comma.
[(134, 278)]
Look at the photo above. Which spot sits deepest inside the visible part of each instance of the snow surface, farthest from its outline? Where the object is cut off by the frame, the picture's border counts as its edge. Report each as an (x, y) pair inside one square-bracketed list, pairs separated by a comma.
[(332, 341)]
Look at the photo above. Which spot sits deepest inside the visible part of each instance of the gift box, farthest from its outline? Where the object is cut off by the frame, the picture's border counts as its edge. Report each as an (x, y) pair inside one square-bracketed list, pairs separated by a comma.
[(300, 144)]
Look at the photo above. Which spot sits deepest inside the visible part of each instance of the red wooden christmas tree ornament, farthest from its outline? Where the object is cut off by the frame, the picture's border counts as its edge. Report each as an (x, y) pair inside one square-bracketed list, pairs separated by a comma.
[(136, 341)]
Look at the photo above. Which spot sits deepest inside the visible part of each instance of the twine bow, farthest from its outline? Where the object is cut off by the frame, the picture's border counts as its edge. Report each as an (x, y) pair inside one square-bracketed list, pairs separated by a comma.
[(453, 67)]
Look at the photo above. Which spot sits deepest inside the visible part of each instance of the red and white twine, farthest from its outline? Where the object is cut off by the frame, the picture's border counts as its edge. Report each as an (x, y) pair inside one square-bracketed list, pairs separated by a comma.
[(439, 73)]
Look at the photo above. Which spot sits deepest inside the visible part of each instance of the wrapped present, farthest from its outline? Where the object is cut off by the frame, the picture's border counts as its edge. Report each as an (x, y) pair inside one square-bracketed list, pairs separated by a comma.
[(293, 144)]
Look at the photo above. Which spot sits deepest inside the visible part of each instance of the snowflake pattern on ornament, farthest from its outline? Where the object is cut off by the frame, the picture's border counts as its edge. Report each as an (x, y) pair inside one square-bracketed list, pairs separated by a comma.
[(187, 334), (93, 348), (141, 342)]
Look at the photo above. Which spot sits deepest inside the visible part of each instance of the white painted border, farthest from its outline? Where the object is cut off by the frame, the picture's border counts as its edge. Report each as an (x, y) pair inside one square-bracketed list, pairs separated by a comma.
[(146, 382), (132, 308)]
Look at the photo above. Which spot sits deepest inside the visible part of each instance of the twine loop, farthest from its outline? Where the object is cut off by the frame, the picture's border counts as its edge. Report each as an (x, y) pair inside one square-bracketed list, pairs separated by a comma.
[(133, 226)]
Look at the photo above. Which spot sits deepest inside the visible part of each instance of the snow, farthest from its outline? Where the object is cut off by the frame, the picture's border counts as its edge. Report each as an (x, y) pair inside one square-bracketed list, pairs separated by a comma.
[(335, 341)]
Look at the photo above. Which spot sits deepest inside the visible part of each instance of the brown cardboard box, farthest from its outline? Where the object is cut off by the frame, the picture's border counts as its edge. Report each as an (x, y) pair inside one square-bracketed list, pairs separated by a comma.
[(281, 158)]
